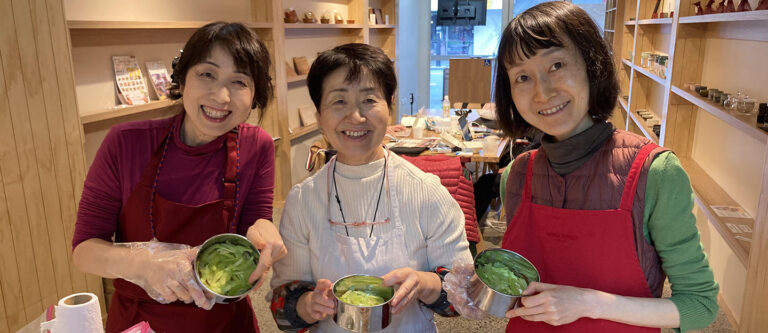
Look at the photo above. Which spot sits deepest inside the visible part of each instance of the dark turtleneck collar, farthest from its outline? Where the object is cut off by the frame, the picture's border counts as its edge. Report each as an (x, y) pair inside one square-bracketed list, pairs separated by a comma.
[(570, 154)]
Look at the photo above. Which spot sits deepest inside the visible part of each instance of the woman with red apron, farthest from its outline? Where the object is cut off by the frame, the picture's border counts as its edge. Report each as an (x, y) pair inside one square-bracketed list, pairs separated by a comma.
[(163, 187), (595, 209)]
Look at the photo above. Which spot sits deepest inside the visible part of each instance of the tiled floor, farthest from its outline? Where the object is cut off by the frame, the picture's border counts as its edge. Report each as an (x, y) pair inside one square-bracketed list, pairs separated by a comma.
[(451, 325)]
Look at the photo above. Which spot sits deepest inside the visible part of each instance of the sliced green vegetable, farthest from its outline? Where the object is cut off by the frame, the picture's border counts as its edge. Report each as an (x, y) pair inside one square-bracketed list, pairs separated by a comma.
[(362, 291), (225, 267), (361, 298), (500, 278)]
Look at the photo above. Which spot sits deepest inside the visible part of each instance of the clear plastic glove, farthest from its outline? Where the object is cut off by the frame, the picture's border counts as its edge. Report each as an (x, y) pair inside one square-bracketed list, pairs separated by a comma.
[(163, 270), (459, 284)]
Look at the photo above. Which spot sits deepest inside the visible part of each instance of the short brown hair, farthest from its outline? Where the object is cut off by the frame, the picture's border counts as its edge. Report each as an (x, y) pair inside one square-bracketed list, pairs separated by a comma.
[(358, 59), (248, 52), (542, 27)]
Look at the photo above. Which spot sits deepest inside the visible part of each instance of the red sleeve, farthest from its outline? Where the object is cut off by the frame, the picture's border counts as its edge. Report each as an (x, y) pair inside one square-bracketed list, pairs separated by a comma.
[(100, 205), (258, 202)]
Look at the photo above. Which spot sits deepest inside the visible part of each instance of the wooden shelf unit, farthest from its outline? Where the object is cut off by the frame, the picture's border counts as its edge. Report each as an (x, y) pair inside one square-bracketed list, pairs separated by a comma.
[(746, 124), (649, 75), (623, 105), (759, 15), (96, 34), (709, 193), (725, 154), (655, 21), (118, 112), (646, 130), (321, 26), (102, 25), (296, 79), (302, 131)]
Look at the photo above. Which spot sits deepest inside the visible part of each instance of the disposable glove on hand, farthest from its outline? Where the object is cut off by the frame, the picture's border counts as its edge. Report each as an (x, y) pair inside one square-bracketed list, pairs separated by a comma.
[(164, 270), (459, 284)]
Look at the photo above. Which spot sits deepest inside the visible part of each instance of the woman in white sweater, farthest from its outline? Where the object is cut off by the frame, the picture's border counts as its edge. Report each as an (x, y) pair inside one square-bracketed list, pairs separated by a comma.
[(368, 211)]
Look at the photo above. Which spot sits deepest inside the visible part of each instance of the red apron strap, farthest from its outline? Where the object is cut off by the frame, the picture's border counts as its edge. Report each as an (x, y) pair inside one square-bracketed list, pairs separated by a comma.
[(630, 187), (529, 177), (230, 178)]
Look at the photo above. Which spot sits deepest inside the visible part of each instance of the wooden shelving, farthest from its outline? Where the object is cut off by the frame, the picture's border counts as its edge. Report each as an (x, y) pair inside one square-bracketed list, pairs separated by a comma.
[(117, 112), (647, 130), (655, 21), (708, 193), (321, 26), (758, 15), (297, 79), (382, 26), (623, 104), (746, 124), (723, 152), (302, 131), (88, 24), (650, 75)]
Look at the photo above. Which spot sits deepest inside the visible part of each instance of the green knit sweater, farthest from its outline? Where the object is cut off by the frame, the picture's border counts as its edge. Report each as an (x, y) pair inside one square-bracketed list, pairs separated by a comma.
[(670, 226)]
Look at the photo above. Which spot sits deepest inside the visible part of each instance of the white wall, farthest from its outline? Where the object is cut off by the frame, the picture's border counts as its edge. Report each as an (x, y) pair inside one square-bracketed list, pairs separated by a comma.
[(413, 54)]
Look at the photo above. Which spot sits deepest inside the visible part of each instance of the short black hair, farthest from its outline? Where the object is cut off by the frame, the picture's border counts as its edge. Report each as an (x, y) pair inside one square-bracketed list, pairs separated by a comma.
[(358, 59), (542, 27), (249, 53)]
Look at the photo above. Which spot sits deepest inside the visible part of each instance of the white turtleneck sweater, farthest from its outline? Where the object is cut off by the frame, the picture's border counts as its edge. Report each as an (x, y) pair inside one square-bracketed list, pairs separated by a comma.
[(432, 219)]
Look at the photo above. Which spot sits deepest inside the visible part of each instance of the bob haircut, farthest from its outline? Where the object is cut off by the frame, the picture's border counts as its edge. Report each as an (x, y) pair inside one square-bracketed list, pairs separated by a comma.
[(359, 59), (248, 52), (541, 27)]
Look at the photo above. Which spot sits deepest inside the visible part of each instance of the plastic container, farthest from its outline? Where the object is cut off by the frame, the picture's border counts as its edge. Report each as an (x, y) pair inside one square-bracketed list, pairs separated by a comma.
[(490, 145), (446, 107)]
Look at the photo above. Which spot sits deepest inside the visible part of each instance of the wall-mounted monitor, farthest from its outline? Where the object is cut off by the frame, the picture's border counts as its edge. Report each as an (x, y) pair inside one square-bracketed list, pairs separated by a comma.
[(461, 12)]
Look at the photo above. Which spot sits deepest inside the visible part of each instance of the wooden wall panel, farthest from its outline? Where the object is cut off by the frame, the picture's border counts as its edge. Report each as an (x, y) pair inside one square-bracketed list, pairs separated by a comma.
[(41, 166), (753, 318)]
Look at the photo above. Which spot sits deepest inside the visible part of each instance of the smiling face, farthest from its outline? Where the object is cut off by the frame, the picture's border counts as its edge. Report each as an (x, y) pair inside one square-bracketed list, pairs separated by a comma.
[(551, 90), (217, 98), (353, 117)]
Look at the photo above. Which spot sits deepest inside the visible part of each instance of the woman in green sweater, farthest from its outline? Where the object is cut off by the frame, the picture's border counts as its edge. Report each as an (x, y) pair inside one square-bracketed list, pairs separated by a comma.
[(605, 215)]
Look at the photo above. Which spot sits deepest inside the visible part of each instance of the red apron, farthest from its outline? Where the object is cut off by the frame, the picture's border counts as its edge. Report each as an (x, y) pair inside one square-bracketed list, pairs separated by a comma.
[(184, 224), (582, 248)]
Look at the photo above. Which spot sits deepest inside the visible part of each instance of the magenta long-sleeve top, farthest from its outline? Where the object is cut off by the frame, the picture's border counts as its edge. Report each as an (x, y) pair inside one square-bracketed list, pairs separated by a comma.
[(190, 175)]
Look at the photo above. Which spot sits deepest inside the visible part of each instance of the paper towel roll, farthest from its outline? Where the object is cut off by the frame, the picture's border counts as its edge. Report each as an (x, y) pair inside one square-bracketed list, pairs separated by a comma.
[(79, 313)]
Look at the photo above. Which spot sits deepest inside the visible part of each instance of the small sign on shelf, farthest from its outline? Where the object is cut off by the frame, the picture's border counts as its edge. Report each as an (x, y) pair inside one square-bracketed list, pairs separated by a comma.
[(730, 211)]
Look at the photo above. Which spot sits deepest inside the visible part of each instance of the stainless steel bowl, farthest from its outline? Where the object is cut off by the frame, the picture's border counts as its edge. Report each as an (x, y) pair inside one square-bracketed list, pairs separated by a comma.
[(357, 318), (490, 300), (221, 238)]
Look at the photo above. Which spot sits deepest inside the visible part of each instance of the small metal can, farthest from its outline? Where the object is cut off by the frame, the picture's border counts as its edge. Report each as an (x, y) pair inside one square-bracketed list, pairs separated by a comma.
[(492, 301), (221, 238), (358, 318)]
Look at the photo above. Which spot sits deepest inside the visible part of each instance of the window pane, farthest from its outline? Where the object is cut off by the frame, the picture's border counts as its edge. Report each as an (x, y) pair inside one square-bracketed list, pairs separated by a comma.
[(460, 42), (479, 41)]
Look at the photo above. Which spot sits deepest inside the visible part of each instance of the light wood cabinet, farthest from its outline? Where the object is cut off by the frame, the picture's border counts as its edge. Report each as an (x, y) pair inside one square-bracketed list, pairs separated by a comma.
[(724, 153)]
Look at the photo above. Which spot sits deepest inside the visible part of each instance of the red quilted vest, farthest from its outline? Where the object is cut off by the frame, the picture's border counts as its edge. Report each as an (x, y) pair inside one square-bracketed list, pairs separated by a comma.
[(450, 172), (596, 185)]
